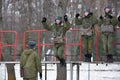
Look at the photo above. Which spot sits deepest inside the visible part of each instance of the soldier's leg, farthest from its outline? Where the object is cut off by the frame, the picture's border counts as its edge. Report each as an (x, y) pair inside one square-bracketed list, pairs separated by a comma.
[(85, 47), (61, 55), (110, 48), (61, 51), (104, 43), (55, 48), (89, 47), (110, 43), (104, 38), (90, 44)]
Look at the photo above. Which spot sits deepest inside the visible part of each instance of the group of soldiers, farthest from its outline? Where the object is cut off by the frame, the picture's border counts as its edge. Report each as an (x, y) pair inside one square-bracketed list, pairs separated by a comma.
[(87, 23)]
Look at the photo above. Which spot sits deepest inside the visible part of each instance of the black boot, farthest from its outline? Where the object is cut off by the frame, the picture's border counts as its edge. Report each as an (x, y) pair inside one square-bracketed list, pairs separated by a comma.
[(62, 62), (109, 58), (88, 57)]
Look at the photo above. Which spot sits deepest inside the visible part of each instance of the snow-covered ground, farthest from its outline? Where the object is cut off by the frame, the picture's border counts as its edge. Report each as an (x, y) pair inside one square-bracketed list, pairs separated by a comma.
[(100, 72)]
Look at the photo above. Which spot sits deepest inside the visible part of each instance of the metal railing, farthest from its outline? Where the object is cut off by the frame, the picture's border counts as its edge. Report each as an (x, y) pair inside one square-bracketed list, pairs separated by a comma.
[(2, 32), (71, 63)]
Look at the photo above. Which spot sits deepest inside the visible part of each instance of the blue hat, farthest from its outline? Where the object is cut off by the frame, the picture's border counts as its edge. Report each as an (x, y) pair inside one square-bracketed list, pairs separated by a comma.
[(31, 44)]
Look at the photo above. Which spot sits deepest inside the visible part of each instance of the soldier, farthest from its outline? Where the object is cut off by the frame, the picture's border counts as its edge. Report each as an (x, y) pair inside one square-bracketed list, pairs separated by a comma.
[(58, 30), (108, 23), (87, 26), (30, 63)]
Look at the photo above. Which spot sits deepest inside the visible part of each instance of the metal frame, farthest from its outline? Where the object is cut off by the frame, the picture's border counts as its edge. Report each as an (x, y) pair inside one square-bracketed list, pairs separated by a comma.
[(10, 45), (67, 44), (38, 37), (68, 62)]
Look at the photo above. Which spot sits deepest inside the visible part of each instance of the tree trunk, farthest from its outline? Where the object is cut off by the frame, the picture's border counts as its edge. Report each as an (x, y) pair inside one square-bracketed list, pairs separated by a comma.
[(7, 52), (0, 14), (11, 71), (61, 72), (7, 56)]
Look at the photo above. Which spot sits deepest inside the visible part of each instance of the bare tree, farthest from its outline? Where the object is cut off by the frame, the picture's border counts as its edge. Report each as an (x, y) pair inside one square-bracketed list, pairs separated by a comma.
[(21, 15), (0, 15)]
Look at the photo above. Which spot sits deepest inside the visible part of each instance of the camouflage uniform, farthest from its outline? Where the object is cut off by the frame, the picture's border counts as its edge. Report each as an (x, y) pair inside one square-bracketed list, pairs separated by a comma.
[(107, 23), (86, 25), (58, 34), (30, 64)]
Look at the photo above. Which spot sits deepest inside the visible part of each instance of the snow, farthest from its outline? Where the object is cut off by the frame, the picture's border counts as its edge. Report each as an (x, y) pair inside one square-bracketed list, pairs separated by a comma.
[(91, 71)]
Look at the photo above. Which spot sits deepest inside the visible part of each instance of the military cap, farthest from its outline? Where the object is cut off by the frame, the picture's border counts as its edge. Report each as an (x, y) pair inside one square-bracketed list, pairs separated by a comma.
[(31, 44), (58, 18), (87, 10), (108, 6)]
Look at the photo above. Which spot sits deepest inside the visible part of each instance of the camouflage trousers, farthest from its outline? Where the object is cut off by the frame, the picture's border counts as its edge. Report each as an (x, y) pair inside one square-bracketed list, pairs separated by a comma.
[(87, 44), (59, 50), (107, 40), (30, 78)]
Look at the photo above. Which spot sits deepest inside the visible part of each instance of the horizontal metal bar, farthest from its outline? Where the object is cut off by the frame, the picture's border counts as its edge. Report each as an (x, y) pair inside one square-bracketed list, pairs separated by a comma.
[(43, 62), (57, 62)]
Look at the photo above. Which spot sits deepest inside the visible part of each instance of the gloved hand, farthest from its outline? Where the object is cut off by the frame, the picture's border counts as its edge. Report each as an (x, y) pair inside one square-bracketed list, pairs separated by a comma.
[(40, 76), (65, 18), (119, 18), (101, 17), (110, 16), (44, 19), (77, 15)]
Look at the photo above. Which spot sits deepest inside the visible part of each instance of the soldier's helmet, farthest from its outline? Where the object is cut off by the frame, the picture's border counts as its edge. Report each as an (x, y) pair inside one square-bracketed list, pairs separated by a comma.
[(87, 10), (58, 18), (107, 7), (31, 44)]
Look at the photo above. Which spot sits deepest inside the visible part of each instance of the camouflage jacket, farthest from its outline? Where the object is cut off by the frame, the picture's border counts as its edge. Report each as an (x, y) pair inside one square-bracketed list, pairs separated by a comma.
[(30, 63), (86, 24), (58, 31), (108, 24)]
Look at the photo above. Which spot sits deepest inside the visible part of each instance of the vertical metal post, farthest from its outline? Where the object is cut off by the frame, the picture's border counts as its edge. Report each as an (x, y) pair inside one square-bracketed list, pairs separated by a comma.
[(39, 45), (77, 74), (80, 48), (5, 72), (0, 46), (88, 71), (71, 71), (45, 68), (96, 44)]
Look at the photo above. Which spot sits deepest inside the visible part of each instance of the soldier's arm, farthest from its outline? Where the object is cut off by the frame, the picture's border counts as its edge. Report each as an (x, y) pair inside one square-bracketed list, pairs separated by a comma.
[(95, 23), (94, 20), (67, 25), (114, 21), (47, 26), (22, 60), (78, 21), (21, 65), (100, 22)]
